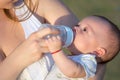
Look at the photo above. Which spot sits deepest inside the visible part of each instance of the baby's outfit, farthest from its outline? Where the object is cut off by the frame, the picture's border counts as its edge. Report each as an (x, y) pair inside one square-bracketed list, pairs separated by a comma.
[(45, 68), (88, 62)]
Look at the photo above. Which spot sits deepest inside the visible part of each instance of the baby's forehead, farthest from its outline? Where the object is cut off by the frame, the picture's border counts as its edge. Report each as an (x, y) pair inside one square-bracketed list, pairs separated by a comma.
[(93, 18), (95, 22), (87, 20)]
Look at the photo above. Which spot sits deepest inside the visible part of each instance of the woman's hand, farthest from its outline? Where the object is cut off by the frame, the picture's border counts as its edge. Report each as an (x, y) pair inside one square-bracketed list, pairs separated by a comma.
[(32, 48), (26, 53)]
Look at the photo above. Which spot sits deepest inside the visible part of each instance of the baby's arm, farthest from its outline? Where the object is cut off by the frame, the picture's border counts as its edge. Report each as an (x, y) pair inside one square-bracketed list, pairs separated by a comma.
[(67, 66)]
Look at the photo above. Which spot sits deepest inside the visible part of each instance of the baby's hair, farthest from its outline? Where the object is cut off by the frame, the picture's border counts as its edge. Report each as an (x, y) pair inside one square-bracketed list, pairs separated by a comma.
[(116, 33)]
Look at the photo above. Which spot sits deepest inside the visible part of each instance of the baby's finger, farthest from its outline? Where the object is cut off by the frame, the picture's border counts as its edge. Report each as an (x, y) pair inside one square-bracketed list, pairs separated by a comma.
[(58, 37)]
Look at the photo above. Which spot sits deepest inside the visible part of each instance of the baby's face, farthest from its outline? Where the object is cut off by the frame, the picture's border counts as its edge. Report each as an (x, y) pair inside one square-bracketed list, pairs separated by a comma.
[(88, 32)]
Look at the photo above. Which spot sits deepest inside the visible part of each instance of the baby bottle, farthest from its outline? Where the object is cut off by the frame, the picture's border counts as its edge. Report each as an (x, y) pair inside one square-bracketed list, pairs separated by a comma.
[(66, 33)]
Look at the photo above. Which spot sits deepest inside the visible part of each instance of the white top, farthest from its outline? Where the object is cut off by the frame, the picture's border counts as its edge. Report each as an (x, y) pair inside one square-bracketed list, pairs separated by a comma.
[(44, 68), (30, 25), (39, 69)]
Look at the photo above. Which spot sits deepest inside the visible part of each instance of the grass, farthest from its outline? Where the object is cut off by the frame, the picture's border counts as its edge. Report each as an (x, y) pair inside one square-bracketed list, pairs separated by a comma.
[(107, 8)]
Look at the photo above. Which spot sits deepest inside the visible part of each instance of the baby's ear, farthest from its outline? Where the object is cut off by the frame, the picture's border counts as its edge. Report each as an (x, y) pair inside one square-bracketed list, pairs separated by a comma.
[(100, 52)]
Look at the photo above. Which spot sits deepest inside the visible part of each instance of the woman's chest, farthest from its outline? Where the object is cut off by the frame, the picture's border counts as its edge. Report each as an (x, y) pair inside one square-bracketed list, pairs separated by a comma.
[(11, 36), (13, 33)]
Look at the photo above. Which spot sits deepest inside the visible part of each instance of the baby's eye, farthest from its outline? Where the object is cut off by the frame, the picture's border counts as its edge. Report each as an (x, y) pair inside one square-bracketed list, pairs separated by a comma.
[(77, 25), (84, 29)]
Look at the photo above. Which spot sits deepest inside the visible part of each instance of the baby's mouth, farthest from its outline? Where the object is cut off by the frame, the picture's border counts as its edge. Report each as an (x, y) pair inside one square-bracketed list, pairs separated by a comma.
[(73, 29)]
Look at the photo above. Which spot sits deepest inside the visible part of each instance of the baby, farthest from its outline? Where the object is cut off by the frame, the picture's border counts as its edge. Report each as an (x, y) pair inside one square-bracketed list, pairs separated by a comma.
[(96, 40)]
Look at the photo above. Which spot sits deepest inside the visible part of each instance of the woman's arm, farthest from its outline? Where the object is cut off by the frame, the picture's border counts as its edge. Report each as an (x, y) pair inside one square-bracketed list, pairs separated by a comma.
[(100, 72), (55, 12)]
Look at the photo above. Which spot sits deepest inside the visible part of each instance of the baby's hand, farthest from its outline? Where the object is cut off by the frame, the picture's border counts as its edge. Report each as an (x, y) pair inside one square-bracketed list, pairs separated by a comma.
[(54, 43)]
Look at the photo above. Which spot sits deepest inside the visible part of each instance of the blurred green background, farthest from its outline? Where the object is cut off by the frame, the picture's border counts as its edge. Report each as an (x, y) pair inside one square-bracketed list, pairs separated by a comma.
[(107, 8)]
